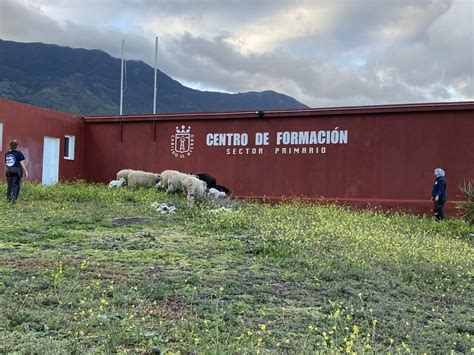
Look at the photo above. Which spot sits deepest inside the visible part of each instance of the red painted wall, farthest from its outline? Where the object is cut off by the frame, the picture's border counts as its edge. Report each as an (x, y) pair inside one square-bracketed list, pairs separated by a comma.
[(30, 124), (388, 158), (384, 155)]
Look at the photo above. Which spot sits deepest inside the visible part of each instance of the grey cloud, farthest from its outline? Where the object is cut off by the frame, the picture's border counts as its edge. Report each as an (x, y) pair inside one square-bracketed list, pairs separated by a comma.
[(314, 80), (360, 25), (229, 13), (24, 23), (440, 93), (444, 58), (28, 24), (241, 10), (427, 56), (413, 64)]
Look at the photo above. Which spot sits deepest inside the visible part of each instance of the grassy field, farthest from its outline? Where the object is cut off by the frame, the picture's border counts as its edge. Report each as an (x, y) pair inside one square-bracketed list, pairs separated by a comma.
[(84, 269)]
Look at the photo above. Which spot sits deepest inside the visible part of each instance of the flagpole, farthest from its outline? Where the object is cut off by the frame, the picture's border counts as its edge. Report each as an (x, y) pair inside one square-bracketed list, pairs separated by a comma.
[(154, 86), (121, 80)]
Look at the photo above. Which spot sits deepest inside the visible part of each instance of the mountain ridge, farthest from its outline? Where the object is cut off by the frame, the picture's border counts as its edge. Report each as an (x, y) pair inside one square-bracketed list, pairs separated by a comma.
[(87, 82)]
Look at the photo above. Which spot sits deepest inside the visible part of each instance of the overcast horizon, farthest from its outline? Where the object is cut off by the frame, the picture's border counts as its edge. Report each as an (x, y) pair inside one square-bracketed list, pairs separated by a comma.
[(339, 53)]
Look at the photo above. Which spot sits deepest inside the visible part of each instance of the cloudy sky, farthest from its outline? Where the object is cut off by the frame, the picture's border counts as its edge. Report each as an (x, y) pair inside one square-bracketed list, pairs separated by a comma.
[(321, 52)]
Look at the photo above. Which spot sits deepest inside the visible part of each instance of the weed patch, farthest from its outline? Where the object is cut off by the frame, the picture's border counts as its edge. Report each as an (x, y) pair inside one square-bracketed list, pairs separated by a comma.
[(86, 269)]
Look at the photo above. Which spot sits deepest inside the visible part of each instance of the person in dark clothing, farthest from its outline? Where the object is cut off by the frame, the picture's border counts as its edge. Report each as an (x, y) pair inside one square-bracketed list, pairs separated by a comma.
[(15, 169), (438, 194)]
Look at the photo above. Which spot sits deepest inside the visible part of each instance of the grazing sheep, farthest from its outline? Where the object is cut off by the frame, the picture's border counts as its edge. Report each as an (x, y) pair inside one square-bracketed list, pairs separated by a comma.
[(171, 180), (209, 179), (216, 193), (166, 176), (143, 179), (194, 188), (175, 182), (223, 189), (116, 183), (123, 174)]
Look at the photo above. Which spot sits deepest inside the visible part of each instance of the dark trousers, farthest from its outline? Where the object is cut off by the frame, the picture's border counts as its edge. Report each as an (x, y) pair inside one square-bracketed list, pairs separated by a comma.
[(438, 210), (13, 186)]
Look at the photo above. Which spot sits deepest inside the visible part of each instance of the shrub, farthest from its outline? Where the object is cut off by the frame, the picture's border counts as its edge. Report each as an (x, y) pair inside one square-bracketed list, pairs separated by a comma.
[(466, 207)]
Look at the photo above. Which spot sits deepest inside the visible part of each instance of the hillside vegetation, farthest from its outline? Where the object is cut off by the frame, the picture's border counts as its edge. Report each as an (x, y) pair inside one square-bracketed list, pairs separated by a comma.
[(87, 82), (85, 269)]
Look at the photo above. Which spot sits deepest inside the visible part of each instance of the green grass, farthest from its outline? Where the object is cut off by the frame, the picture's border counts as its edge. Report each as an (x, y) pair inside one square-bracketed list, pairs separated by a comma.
[(74, 277)]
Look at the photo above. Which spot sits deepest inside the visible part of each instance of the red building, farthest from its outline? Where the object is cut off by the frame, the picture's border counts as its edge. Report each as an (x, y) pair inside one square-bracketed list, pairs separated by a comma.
[(373, 155), (43, 135)]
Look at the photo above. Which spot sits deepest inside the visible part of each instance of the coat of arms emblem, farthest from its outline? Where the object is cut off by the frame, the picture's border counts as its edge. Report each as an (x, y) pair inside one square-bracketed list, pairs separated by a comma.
[(182, 142)]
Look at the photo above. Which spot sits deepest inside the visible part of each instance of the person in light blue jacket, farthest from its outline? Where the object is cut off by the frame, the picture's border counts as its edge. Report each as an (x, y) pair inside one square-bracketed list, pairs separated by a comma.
[(438, 194)]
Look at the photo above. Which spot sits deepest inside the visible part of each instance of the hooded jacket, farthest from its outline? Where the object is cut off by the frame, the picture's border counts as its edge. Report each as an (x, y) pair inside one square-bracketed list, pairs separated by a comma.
[(439, 186)]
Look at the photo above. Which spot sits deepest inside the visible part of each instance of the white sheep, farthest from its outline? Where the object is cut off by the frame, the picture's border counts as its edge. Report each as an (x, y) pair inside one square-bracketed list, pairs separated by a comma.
[(165, 177), (142, 179), (173, 181), (123, 174), (116, 183), (194, 188), (216, 193)]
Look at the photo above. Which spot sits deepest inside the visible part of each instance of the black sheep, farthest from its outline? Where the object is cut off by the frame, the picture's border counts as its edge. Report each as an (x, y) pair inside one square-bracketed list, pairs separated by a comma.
[(209, 179)]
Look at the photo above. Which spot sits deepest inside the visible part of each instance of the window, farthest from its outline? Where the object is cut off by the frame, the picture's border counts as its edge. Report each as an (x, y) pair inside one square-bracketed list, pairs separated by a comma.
[(69, 147), (1, 137)]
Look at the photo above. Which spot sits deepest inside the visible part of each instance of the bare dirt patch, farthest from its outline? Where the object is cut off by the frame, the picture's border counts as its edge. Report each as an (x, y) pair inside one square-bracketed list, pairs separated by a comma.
[(122, 221), (173, 309)]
